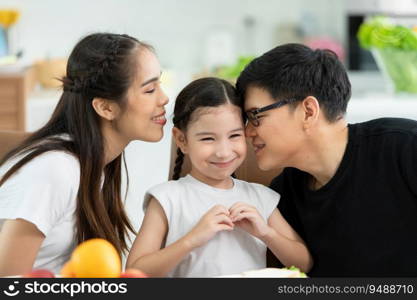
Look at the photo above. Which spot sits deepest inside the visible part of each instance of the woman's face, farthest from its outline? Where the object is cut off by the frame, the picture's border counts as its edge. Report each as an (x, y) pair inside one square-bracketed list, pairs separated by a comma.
[(278, 138), (215, 143), (143, 117)]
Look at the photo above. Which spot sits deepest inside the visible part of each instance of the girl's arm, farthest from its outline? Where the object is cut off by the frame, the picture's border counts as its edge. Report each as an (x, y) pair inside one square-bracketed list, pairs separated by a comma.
[(286, 244), (146, 253), (278, 235), (20, 241)]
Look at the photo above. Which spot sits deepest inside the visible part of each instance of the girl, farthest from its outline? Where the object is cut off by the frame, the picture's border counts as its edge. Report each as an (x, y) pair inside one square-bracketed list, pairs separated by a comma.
[(208, 223), (63, 184)]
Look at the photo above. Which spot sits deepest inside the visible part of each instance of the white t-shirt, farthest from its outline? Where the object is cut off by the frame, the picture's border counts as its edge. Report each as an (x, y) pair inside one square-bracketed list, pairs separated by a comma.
[(186, 200), (44, 192)]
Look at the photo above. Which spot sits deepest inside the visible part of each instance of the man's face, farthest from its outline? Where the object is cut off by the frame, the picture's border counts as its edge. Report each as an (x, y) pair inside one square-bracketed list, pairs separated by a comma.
[(278, 137)]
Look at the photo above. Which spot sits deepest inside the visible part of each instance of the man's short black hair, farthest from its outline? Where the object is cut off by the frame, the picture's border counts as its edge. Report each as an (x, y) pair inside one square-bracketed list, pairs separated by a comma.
[(297, 71)]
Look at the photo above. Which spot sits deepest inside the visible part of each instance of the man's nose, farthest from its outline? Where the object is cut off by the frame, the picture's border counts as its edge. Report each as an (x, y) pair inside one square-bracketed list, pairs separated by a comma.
[(250, 130)]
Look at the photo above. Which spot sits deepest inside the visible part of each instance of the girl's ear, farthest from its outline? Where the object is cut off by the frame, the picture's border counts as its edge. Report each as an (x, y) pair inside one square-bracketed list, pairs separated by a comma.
[(106, 109), (180, 139)]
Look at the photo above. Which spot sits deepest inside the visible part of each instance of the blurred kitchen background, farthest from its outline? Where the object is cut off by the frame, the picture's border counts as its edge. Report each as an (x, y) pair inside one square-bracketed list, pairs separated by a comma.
[(192, 38)]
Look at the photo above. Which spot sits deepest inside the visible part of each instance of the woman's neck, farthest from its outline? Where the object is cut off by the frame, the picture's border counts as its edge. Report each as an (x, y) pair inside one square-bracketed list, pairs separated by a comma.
[(113, 143)]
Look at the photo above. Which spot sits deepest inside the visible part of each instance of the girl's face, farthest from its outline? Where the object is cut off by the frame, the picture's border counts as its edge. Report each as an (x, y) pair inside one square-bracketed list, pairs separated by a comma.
[(215, 143), (144, 115)]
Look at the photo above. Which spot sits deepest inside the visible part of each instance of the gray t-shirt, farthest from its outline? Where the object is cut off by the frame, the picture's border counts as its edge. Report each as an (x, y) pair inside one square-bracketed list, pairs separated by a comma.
[(186, 200)]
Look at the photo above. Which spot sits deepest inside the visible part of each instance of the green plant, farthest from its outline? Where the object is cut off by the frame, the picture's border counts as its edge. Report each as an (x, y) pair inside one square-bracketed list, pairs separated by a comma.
[(379, 32), (395, 50), (231, 72)]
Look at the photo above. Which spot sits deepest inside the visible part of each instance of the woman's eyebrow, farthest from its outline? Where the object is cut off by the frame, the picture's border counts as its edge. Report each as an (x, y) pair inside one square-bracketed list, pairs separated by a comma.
[(156, 78), (149, 81)]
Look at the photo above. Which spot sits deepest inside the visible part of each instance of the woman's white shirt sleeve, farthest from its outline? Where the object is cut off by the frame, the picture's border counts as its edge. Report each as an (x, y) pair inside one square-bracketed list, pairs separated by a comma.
[(43, 191)]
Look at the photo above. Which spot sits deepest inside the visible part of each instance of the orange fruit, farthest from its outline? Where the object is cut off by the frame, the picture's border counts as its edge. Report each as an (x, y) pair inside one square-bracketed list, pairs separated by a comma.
[(67, 271), (95, 258), (133, 273)]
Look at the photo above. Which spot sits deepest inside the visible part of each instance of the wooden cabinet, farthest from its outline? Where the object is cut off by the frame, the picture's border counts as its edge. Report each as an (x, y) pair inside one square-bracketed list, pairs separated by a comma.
[(14, 88)]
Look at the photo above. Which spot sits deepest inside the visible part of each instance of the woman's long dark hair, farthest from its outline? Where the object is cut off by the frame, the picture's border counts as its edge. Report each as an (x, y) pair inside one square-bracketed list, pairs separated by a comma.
[(203, 92), (101, 65)]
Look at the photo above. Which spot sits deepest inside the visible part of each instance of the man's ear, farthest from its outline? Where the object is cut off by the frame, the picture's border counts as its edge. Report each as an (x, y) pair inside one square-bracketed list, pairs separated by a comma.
[(180, 139), (310, 111), (105, 108)]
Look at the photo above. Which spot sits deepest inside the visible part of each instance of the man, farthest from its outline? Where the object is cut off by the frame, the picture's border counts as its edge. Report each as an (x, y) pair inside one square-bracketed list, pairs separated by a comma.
[(350, 190)]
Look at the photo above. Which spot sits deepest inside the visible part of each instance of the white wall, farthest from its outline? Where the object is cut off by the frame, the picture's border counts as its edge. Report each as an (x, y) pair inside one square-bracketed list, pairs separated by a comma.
[(178, 29)]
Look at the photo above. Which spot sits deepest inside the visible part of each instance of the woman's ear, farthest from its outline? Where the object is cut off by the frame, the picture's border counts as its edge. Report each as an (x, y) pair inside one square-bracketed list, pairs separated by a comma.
[(310, 111), (105, 108), (180, 139)]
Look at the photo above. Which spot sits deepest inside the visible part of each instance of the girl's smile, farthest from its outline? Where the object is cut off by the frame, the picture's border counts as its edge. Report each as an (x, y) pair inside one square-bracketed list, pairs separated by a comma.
[(224, 164)]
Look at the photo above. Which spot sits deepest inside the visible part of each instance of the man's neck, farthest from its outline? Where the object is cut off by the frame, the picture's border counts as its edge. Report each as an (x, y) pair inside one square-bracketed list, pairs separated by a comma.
[(326, 150)]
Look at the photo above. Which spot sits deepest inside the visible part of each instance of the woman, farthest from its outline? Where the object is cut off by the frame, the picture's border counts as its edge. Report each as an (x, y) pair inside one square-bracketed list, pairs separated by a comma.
[(63, 184)]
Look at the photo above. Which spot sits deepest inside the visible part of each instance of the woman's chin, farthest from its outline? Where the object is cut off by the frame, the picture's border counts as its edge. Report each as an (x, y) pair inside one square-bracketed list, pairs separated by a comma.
[(155, 140), (152, 138)]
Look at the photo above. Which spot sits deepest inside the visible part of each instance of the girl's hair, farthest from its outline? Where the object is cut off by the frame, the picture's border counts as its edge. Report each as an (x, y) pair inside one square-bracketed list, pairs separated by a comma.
[(201, 93), (101, 65)]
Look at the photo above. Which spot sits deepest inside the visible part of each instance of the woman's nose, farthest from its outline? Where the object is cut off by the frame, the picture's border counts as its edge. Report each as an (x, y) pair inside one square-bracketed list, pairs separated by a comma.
[(164, 98)]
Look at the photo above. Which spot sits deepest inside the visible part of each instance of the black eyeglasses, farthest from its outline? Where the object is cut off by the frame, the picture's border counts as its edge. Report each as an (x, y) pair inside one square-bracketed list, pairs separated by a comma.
[(252, 115)]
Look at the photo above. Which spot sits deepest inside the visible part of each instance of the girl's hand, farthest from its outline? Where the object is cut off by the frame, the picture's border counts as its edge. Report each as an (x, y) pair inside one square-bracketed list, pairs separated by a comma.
[(215, 220), (249, 219)]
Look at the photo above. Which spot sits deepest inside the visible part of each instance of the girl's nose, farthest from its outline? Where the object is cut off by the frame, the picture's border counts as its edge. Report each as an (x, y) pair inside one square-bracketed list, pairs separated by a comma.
[(223, 150)]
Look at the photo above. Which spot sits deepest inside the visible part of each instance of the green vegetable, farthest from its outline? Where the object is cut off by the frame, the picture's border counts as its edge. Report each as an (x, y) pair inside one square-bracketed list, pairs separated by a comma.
[(395, 50), (233, 71), (401, 66), (378, 32), (293, 268)]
